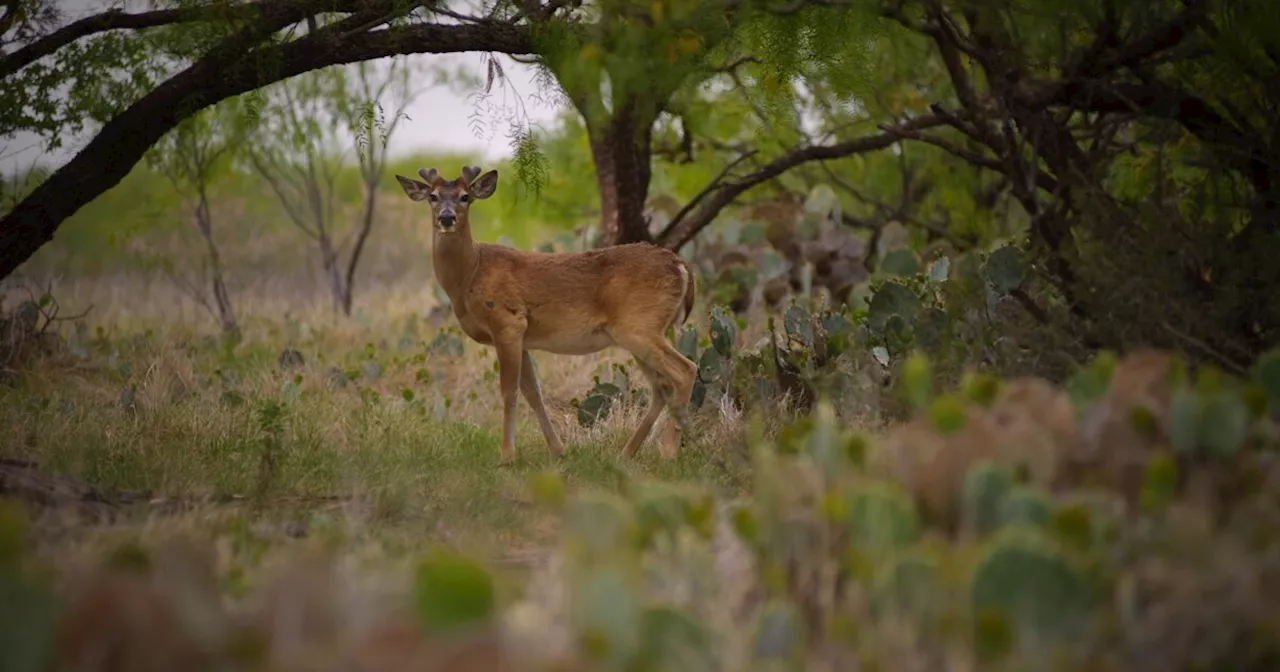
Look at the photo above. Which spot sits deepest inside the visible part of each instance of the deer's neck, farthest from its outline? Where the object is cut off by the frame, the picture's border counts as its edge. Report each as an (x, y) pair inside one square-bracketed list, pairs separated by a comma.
[(454, 260)]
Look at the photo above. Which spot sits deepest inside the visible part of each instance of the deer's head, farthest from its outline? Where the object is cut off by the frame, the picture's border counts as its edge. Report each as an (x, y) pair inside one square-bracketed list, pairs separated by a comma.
[(450, 200)]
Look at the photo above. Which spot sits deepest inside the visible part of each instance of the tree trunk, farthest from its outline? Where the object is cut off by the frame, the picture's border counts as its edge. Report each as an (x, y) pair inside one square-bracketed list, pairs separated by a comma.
[(329, 259), (221, 298), (366, 225), (620, 148)]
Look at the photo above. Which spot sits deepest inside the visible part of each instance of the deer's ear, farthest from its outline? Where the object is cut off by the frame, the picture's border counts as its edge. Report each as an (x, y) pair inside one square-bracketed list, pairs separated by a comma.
[(485, 185), (415, 190)]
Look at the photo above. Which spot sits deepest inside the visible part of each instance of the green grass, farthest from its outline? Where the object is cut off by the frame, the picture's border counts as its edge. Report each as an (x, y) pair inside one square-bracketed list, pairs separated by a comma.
[(153, 413)]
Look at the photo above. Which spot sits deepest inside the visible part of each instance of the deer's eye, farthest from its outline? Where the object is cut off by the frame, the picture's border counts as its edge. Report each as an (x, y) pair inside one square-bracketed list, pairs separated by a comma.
[(464, 198), (433, 198)]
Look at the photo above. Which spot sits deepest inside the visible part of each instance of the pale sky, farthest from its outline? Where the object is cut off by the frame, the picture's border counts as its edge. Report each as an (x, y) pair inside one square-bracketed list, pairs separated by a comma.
[(438, 118)]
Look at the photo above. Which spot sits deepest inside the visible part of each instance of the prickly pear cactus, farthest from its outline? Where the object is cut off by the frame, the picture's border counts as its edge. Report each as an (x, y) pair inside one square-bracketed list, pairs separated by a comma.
[(723, 331), (908, 583), (27, 608), (1209, 418), (598, 403), (1023, 579), (1025, 506), (881, 517), (982, 495)]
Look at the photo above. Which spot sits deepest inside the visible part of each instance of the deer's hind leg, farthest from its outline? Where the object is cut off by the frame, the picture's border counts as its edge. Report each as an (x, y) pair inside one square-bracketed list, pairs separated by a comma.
[(673, 376), (682, 373), (659, 399)]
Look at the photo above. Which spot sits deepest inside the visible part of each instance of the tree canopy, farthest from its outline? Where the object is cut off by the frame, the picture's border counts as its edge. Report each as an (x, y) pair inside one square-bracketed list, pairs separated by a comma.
[(1131, 145)]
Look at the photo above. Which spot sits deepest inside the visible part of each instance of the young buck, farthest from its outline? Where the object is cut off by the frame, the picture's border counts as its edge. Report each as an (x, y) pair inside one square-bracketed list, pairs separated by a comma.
[(569, 303)]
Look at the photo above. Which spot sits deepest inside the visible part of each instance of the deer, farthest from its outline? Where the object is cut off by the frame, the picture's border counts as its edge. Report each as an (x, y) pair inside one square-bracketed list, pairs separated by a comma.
[(566, 303)]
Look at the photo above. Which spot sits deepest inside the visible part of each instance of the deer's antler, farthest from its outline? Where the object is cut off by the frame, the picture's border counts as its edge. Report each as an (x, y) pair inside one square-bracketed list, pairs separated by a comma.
[(429, 175)]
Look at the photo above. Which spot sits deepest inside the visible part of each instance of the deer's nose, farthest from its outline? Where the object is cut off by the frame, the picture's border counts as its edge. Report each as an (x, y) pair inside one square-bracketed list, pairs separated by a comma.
[(447, 221)]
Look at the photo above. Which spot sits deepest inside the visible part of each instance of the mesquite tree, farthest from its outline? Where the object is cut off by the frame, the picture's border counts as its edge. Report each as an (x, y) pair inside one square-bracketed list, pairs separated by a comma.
[(1137, 139), (301, 135), (189, 156)]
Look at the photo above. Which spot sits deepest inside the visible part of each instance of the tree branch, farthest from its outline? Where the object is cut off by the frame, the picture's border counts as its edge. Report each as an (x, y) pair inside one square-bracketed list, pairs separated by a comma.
[(1159, 40), (278, 13), (124, 140), (1043, 180), (681, 230), (711, 186), (735, 64)]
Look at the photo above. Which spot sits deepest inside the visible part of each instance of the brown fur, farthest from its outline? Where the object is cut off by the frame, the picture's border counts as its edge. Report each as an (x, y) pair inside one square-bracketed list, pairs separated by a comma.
[(570, 303)]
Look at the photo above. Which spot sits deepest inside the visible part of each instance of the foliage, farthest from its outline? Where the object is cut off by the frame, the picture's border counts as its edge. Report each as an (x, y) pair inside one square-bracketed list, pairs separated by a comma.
[(950, 534), (1039, 571)]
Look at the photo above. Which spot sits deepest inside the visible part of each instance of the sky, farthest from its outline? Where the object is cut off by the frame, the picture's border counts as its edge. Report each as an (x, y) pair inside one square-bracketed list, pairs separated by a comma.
[(438, 119)]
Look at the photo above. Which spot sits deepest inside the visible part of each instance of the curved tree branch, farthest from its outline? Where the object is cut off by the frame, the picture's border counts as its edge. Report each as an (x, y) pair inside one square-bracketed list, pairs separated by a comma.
[(267, 13), (682, 229), (114, 19), (124, 140)]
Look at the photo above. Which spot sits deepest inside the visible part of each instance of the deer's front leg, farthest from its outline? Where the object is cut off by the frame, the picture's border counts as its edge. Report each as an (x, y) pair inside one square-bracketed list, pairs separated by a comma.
[(533, 395), (510, 354)]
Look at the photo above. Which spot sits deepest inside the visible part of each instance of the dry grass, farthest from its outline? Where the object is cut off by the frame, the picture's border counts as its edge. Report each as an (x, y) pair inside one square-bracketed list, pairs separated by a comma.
[(156, 404)]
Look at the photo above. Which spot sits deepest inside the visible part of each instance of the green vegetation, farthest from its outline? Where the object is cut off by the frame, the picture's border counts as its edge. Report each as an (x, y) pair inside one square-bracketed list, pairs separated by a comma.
[(988, 374)]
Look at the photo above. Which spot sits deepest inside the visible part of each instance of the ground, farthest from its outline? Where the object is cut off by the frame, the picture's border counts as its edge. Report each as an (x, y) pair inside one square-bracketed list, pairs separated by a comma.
[(403, 451)]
